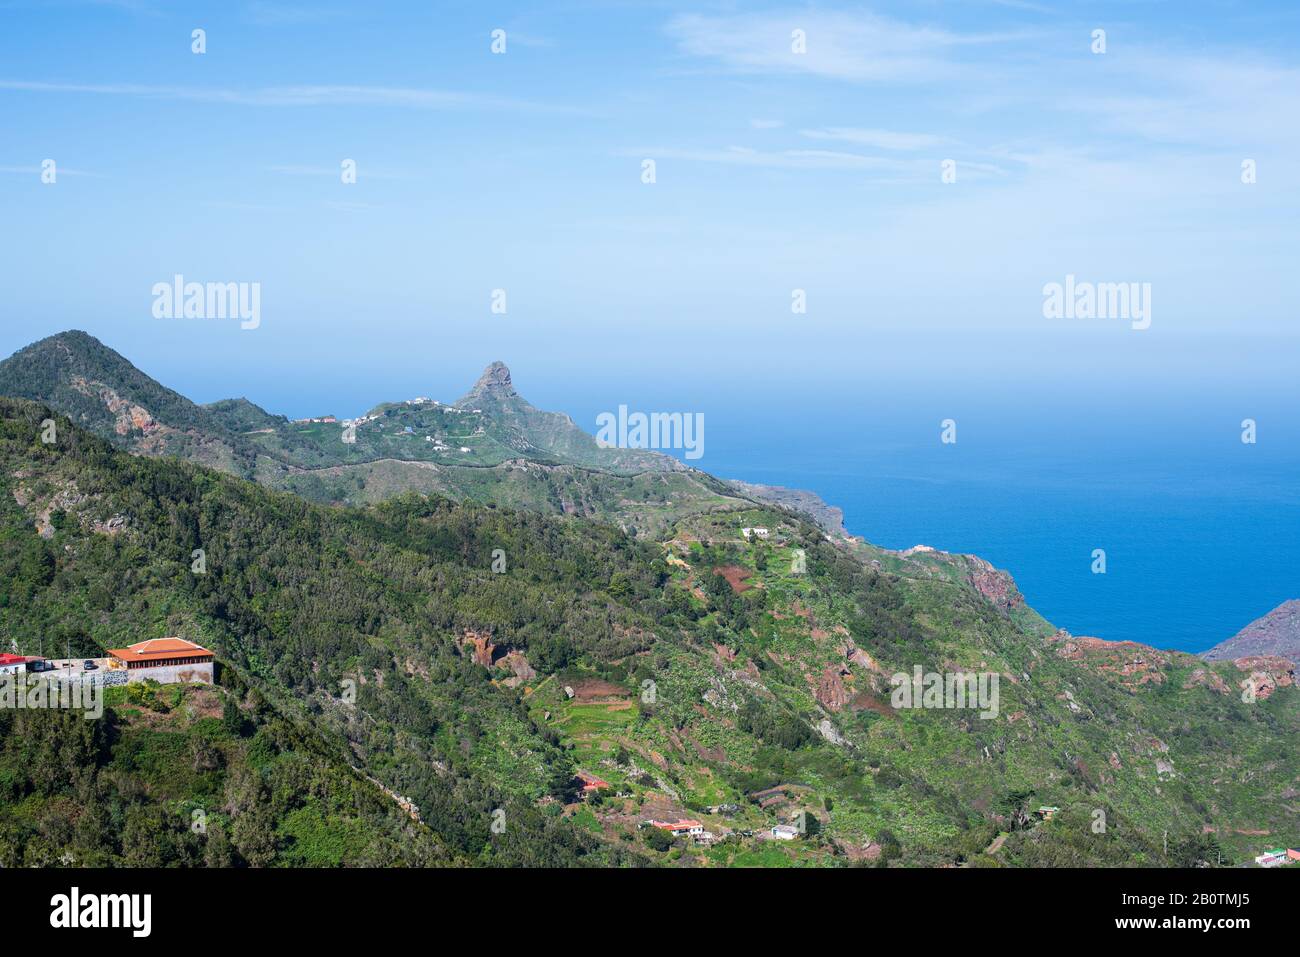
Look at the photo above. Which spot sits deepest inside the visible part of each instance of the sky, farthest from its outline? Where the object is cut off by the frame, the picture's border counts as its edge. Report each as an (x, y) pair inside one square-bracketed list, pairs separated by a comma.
[(917, 174), (775, 170)]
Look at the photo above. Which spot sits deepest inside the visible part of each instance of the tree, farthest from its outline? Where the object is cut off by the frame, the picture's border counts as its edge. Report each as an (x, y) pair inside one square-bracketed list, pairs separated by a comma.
[(254, 836), (658, 839), (232, 719)]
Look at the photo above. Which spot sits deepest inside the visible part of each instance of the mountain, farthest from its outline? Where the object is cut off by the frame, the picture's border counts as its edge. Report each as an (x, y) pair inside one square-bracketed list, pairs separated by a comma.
[(76, 374), (490, 446), (551, 433), (479, 659), (1276, 634)]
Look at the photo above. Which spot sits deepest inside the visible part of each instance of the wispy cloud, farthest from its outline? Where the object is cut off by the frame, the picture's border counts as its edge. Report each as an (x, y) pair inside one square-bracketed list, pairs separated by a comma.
[(312, 95), (862, 47), (877, 139), (36, 171), (1197, 99), (888, 168), (333, 172), (776, 159)]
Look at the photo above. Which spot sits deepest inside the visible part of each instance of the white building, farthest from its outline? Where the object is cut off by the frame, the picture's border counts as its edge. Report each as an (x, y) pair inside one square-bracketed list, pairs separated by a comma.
[(14, 664), (1271, 858), (165, 660), (682, 828)]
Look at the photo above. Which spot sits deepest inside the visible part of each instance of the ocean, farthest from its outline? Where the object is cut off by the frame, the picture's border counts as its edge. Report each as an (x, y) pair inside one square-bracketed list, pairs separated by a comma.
[(1200, 530)]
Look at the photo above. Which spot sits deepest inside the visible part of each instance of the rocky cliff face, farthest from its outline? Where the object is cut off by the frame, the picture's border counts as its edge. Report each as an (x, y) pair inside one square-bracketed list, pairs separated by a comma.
[(829, 517), (495, 382), (1277, 634)]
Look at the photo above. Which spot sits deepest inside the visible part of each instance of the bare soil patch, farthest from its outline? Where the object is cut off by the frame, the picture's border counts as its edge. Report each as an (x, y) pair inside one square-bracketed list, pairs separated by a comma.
[(735, 576)]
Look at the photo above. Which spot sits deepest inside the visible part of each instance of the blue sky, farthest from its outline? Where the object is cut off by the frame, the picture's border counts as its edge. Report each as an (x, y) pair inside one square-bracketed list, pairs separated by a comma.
[(775, 171)]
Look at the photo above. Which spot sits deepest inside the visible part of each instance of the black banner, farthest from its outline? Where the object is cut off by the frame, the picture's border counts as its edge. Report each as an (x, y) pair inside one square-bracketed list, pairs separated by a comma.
[(145, 907)]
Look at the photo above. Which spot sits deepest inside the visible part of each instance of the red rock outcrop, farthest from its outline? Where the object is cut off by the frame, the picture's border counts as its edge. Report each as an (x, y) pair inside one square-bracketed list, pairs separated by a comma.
[(830, 689), (482, 648)]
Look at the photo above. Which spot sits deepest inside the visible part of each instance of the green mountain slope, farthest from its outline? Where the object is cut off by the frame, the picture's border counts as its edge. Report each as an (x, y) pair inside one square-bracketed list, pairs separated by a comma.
[(241, 416), (490, 446), (710, 670), (76, 374), (192, 776)]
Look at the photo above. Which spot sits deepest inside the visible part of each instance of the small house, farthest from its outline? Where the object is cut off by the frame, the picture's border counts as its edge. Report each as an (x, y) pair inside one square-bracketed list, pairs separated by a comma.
[(785, 832), (590, 783), (15, 664), (680, 828)]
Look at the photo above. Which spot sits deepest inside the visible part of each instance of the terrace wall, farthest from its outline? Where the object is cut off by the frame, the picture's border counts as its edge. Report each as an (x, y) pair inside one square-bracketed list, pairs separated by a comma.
[(200, 673)]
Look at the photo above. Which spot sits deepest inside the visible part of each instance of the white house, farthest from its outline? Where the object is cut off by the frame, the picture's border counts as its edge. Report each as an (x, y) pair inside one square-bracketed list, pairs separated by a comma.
[(14, 664), (785, 832), (1272, 858), (681, 828), (759, 532)]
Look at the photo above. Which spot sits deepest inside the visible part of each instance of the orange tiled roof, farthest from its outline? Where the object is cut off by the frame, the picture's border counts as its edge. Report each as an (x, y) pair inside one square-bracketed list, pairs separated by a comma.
[(156, 649)]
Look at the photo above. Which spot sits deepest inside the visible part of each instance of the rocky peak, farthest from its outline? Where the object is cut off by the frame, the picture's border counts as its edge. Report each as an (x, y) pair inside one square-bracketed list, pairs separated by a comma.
[(495, 382)]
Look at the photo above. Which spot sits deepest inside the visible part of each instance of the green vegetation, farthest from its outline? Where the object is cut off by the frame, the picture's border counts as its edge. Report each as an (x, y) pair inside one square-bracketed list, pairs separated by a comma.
[(708, 670), (160, 782)]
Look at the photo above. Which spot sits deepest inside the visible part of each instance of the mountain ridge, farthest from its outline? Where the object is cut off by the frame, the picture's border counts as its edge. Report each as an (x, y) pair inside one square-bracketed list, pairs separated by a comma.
[(527, 457), (768, 663), (1275, 634), (349, 461)]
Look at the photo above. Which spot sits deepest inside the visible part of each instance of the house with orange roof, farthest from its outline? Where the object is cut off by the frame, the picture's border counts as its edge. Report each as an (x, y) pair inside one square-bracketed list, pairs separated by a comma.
[(680, 827), (591, 783), (165, 660)]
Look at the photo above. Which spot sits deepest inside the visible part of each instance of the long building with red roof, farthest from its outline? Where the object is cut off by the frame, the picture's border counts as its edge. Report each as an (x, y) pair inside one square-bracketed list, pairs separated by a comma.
[(165, 660)]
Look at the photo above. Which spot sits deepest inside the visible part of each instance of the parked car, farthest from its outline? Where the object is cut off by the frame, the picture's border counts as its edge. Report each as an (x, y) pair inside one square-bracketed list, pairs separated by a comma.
[(89, 665)]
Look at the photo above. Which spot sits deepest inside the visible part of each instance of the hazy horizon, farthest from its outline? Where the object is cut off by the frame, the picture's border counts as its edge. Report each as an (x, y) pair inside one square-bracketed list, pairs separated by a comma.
[(776, 171), (855, 217)]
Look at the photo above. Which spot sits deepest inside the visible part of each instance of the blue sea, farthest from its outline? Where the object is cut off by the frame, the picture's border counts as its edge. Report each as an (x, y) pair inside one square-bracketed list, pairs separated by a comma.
[(1201, 531)]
